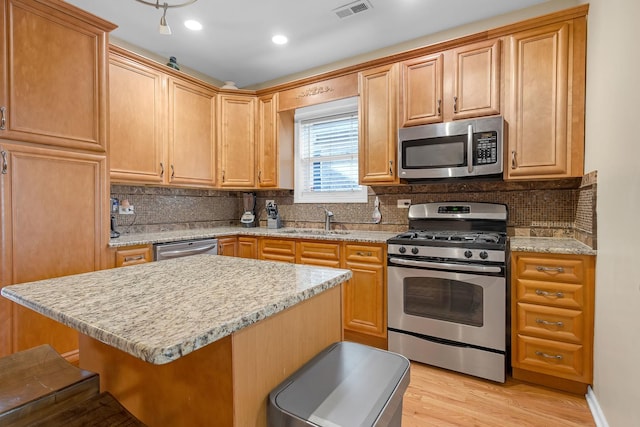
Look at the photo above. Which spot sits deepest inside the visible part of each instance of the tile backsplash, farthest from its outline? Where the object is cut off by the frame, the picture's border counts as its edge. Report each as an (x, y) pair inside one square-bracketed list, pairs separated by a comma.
[(560, 208)]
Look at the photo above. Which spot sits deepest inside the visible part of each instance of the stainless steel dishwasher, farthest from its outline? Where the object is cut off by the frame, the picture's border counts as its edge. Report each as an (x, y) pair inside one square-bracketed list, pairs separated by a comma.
[(164, 251)]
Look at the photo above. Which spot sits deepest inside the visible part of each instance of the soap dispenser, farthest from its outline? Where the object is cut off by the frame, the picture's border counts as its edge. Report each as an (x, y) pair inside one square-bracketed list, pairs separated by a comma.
[(376, 216)]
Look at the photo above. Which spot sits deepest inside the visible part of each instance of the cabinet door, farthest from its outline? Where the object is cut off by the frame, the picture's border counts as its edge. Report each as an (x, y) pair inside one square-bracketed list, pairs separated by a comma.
[(137, 122), (422, 90), (227, 246), (268, 157), (54, 207), (192, 153), (53, 87), (364, 300), (546, 105), (378, 125), (248, 247), (476, 80), (236, 138)]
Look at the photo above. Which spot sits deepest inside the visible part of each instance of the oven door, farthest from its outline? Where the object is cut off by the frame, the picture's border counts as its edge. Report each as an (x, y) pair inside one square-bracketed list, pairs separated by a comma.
[(463, 307)]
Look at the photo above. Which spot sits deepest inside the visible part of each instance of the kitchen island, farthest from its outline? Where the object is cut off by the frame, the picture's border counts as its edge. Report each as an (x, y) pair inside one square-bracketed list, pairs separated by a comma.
[(198, 340)]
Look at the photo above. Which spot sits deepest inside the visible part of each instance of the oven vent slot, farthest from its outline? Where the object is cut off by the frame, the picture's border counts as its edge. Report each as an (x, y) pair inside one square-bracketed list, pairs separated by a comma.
[(352, 8)]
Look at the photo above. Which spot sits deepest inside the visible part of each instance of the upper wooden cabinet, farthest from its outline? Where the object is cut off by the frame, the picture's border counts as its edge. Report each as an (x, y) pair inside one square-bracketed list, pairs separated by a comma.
[(274, 144), (162, 127), (137, 100), (378, 125), (236, 138), (456, 84), (191, 141), (545, 95), (53, 75)]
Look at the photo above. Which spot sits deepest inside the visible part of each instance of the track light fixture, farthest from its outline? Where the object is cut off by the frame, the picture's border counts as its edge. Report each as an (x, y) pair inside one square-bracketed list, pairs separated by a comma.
[(163, 27)]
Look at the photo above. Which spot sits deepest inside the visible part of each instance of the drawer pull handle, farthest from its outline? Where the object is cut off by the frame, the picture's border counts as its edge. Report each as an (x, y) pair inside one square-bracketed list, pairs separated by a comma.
[(550, 269), (549, 294), (364, 253), (161, 170), (549, 356), (3, 120), (548, 323), (5, 164), (133, 258)]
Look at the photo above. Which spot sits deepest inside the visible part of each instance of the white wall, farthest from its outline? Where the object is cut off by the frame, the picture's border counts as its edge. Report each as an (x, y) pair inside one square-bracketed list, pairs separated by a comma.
[(613, 149)]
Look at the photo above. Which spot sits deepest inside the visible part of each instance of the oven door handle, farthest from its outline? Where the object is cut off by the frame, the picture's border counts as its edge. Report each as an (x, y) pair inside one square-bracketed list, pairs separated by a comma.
[(447, 266)]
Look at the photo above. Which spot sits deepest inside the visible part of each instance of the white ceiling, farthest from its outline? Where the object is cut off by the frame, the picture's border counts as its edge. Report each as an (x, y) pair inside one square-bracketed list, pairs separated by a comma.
[(235, 43)]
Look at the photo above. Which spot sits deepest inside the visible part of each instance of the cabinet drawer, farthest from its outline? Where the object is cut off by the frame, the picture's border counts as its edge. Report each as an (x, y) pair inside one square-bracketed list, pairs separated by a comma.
[(550, 268), (563, 295), (278, 250), (133, 255), (364, 253), (318, 253), (550, 322), (550, 357)]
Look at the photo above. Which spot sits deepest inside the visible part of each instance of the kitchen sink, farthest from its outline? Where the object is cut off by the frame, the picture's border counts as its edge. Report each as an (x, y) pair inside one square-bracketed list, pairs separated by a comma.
[(313, 231)]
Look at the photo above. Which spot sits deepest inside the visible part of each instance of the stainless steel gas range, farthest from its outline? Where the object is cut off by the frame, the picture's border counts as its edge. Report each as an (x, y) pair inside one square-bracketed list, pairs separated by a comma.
[(447, 288)]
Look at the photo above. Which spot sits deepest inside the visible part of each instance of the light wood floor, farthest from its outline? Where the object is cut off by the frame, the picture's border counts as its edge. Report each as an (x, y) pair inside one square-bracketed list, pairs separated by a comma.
[(438, 397)]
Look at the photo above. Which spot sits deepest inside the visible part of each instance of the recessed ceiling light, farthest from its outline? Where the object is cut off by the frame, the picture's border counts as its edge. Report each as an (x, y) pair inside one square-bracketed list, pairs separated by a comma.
[(193, 25), (279, 39)]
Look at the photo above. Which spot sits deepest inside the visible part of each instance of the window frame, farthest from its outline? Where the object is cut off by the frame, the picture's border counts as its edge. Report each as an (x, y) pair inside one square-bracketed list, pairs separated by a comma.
[(314, 112)]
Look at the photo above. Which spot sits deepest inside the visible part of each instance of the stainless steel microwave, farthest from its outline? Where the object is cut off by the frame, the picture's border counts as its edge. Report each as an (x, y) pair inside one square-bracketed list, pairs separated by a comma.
[(464, 148)]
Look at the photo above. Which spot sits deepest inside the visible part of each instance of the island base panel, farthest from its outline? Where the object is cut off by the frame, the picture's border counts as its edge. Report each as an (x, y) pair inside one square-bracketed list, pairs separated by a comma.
[(225, 383)]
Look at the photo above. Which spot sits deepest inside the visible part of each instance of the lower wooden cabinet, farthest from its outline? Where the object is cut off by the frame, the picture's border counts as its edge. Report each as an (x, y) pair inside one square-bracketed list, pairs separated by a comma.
[(228, 246), (132, 255), (364, 302), (248, 247), (277, 250), (53, 224), (552, 319), (364, 298)]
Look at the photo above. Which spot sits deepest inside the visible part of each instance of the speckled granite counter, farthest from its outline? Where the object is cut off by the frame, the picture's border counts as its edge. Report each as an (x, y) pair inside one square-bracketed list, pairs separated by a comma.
[(205, 233), (550, 245), (161, 311)]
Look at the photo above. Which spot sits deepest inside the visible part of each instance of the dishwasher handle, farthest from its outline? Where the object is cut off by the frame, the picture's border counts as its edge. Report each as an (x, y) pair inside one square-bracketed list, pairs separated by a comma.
[(167, 252)]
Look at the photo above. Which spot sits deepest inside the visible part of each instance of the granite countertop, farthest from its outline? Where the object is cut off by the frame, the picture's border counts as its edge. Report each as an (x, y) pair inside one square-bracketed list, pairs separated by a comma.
[(551, 245), (161, 311), (297, 233)]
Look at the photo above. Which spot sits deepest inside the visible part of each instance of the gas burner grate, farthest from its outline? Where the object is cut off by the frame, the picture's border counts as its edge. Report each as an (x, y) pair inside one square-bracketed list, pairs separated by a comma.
[(452, 236)]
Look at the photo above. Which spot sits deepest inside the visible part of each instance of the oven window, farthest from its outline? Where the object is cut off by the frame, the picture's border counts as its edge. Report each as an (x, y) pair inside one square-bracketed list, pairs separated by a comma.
[(444, 299)]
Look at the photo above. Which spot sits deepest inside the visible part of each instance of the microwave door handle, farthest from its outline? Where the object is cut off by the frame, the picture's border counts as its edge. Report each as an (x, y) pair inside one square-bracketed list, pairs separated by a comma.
[(470, 148)]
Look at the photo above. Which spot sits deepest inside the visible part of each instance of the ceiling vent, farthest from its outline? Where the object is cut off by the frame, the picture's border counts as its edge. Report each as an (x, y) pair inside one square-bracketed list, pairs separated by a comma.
[(352, 8)]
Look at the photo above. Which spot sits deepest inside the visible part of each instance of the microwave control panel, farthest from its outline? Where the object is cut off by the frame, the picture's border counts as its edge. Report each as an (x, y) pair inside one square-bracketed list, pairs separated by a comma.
[(485, 148)]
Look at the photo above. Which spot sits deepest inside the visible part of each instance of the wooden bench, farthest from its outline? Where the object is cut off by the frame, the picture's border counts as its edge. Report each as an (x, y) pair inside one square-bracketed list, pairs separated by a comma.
[(39, 387)]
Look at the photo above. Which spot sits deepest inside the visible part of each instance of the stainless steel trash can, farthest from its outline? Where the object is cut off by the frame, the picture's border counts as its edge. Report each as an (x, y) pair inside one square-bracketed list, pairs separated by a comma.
[(347, 385)]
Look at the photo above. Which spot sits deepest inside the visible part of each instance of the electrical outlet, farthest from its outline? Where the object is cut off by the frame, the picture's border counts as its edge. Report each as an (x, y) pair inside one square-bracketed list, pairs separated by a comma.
[(125, 210), (269, 202), (404, 203)]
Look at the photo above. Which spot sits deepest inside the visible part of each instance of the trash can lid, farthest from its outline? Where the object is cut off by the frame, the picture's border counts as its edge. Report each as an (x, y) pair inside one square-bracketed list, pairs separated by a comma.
[(348, 384)]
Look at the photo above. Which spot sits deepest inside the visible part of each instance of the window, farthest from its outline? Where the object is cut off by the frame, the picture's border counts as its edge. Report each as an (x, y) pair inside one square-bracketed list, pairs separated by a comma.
[(326, 152)]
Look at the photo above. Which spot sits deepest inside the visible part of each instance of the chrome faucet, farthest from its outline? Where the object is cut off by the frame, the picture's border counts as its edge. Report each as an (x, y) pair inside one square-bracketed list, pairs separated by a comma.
[(327, 218)]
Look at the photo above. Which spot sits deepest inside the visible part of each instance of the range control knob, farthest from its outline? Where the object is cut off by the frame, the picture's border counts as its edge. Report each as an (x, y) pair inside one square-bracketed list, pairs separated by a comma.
[(414, 250), (484, 255), (468, 254), (402, 249)]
